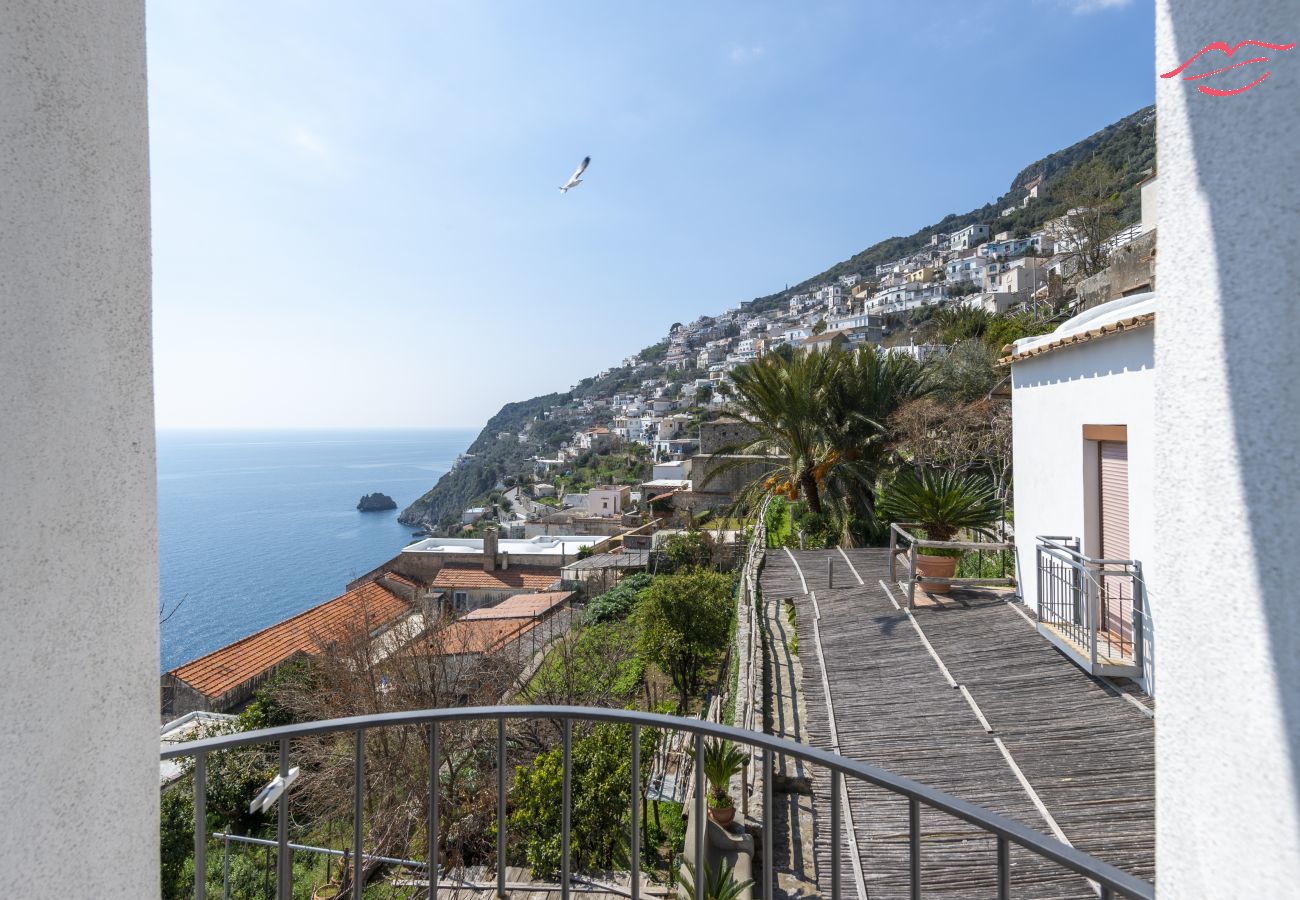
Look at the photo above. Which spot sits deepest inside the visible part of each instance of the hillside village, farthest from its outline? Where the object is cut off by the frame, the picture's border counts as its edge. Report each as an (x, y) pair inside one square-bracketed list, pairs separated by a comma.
[(665, 410), (640, 543)]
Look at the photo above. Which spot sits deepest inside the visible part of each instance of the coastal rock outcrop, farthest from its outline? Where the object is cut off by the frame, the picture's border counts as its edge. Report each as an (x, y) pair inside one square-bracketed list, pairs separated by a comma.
[(376, 501)]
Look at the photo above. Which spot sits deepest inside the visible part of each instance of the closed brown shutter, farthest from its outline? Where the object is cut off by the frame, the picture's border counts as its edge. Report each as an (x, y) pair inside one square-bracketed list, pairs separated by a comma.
[(1117, 592), (1114, 500)]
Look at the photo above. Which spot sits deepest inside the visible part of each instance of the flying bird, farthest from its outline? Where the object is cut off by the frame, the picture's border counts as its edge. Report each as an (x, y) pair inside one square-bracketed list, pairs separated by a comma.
[(576, 178)]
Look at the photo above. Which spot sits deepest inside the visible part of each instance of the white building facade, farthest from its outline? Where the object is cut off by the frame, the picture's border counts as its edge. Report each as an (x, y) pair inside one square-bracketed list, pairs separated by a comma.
[(1083, 414)]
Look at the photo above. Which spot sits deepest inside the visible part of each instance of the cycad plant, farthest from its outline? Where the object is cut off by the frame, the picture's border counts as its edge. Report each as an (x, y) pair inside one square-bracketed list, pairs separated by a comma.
[(719, 883), (942, 503), (722, 760)]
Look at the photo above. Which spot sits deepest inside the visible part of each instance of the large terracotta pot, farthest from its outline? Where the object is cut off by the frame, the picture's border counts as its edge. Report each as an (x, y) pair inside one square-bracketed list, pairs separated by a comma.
[(722, 816), (936, 567)]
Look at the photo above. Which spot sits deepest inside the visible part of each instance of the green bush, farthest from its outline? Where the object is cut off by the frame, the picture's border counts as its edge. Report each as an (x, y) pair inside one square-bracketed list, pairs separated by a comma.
[(682, 551), (600, 823), (617, 603)]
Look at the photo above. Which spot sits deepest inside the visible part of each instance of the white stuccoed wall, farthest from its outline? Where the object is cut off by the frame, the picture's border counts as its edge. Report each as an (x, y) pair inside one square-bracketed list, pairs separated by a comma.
[(78, 545), (1110, 381), (1228, 421)]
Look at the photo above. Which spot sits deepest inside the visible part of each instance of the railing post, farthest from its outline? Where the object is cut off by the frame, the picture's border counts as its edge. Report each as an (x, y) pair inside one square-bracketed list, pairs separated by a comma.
[(200, 825), (914, 846), (636, 813), (1139, 614), (566, 808), (434, 862), (836, 816), (769, 861), (893, 551), (1093, 601), (501, 808), (1004, 869), (225, 867), (283, 863), (700, 817), (911, 576), (358, 814)]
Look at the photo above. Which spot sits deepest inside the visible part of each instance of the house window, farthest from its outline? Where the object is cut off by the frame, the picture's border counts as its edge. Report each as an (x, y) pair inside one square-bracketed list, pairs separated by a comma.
[(461, 599)]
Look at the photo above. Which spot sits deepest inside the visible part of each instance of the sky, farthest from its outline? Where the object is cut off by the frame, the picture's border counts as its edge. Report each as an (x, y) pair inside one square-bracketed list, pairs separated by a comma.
[(356, 221)]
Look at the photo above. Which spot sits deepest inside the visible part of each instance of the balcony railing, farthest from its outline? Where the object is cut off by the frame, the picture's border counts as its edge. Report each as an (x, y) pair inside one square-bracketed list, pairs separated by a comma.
[(1110, 881), (1093, 609), (911, 546)]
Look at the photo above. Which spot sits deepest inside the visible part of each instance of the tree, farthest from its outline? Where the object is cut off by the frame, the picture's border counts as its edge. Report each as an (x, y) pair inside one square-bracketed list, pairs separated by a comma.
[(782, 395), (1090, 195), (601, 784), (966, 373), (684, 551), (821, 418), (684, 622)]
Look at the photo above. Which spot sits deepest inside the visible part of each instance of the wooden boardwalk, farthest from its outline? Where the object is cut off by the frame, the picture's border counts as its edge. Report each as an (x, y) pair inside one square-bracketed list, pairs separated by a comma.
[(1061, 752)]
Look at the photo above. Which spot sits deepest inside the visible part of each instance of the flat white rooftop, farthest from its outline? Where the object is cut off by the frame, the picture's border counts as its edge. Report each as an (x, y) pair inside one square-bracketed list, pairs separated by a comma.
[(550, 544)]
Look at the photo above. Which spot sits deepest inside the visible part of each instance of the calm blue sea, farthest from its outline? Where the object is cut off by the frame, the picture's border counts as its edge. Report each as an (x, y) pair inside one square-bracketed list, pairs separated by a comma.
[(255, 527)]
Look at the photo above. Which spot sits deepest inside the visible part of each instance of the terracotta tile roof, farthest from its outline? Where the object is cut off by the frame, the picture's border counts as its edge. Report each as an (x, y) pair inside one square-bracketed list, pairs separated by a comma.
[(479, 635), (521, 606), (225, 669), (400, 579), (467, 576), (1080, 337)]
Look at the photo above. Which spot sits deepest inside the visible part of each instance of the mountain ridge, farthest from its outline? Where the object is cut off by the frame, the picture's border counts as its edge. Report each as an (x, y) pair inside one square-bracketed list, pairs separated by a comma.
[(498, 452)]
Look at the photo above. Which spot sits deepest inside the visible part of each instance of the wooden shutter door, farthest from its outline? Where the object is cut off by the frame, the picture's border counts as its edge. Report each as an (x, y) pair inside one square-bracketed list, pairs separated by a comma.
[(1117, 592)]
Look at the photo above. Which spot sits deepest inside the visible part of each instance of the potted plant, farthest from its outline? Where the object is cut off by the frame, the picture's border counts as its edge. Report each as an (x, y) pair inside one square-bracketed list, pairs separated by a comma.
[(722, 760), (943, 504)]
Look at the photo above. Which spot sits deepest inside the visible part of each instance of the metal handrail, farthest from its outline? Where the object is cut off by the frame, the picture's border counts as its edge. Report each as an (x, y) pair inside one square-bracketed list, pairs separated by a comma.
[(1112, 880), (1084, 593), (899, 529)]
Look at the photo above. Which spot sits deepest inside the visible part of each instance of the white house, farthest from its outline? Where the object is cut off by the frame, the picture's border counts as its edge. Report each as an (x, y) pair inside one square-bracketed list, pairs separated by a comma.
[(1084, 445), (969, 237)]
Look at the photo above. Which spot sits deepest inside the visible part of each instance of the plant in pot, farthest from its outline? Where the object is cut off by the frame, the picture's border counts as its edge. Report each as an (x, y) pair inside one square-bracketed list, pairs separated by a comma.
[(943, 504), (722, 760)]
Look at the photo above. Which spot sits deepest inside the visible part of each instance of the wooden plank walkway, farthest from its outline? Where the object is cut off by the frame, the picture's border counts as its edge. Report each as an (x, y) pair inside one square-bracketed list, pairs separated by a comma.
[(1085, 752)]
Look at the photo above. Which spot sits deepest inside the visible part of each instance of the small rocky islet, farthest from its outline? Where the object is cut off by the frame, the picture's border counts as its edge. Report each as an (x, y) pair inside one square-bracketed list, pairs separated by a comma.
[(376, 501)]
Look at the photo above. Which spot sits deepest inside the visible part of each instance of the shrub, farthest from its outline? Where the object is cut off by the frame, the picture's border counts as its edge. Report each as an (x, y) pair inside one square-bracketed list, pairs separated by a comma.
[(617, 603)]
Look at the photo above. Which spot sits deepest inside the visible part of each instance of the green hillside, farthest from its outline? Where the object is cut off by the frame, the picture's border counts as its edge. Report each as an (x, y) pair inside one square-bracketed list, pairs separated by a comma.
[(1128, 146)]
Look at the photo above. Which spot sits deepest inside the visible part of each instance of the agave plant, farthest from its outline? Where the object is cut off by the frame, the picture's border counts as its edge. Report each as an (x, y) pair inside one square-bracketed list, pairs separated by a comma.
[(719, 884), (943, 503)]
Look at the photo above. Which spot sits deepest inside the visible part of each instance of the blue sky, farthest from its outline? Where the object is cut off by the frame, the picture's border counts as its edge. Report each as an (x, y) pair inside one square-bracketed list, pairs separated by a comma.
[(356, 221)]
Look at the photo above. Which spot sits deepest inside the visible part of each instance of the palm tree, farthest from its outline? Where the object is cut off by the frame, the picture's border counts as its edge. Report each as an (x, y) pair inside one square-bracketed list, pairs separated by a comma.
[(869, 387), (821, 418), (784, 398)]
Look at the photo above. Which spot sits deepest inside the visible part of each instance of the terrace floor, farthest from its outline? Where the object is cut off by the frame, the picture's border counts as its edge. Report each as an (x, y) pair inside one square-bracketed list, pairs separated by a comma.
[(963, 695)]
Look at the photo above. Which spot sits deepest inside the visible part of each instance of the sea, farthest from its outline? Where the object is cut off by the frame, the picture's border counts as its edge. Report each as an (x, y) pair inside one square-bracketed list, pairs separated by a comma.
[(255, 527)]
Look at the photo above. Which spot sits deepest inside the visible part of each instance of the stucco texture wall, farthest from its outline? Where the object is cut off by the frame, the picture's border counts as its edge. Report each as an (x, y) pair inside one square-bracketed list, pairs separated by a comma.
[(1109, 381), (1228, 420), (79, 643)]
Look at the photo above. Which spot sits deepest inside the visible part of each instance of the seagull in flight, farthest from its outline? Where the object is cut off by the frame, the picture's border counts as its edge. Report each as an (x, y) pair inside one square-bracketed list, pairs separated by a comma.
[(576, 178)]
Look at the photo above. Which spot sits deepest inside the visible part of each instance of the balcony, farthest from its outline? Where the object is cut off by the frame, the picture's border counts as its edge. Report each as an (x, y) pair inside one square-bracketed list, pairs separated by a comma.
[(1013, 849), (1091, 609)]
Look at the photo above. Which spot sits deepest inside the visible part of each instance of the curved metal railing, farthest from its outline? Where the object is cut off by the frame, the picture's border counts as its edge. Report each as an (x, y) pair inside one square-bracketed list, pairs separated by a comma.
[(1110, 881)]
